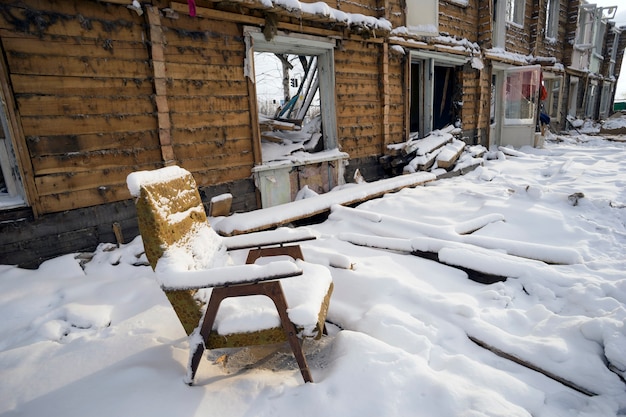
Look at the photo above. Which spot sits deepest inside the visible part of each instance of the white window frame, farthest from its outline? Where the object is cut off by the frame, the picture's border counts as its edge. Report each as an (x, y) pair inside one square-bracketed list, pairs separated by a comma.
[(515, 12), (14, 197), (583, 44), (298, 44), (598, 43), (613, 58), (605, 99), (552, 19), (590, 98), (422, 17), (549, 81)]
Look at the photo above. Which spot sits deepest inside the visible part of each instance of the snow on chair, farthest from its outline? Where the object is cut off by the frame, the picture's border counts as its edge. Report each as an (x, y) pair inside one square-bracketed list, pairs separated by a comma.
[(284, 299)]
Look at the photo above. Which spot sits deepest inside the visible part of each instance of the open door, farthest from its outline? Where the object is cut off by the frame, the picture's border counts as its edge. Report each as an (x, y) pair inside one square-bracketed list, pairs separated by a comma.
[(517, 98)]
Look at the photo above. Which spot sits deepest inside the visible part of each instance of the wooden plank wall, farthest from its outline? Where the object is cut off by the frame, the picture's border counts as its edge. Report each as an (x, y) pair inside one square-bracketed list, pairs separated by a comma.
[(459, 21), (81, 76), (359, 98), (518, 39), (398, 91), (545, 47), (208, 98)]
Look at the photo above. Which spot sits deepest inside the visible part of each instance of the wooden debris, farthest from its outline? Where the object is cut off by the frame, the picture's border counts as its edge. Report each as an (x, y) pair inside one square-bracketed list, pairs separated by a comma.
[(532, 366), (220, 205), (472, 274), (450, 154)]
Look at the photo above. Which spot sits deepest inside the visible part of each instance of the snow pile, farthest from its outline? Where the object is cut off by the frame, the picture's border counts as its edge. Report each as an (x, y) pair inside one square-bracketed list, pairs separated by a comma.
[(409, 336), (615, 124)]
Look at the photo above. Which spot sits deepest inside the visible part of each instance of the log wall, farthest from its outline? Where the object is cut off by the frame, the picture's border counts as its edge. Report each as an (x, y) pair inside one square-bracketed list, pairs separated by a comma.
[(207, 94), (359, 98), (81, 78)]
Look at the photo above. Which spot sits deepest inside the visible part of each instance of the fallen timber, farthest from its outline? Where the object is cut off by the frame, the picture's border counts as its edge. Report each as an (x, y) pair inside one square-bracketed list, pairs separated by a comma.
[(272, 217), (532, 366)]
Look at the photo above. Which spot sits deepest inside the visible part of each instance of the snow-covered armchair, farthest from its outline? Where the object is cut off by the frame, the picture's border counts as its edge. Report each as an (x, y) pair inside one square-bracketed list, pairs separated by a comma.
[(284, 299)]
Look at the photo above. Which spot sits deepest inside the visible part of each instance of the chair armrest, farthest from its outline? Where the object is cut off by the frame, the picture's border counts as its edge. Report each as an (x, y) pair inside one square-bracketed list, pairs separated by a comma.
[(171, 279)]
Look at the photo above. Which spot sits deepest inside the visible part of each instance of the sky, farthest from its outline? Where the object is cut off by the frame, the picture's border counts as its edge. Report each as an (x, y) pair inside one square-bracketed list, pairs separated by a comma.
[(94, 335)]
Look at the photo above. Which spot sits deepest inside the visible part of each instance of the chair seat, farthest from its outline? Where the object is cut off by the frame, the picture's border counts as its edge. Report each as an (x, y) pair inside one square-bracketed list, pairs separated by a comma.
[(304, 293)]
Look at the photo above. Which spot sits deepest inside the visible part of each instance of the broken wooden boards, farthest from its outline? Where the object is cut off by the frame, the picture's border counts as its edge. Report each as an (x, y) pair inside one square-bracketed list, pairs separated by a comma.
[(532, 366), (271, 217), (440, 149), (485, 259)]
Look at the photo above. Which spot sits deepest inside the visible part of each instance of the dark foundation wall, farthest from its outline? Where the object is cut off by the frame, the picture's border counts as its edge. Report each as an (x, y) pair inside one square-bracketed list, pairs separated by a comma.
[(28, 242)]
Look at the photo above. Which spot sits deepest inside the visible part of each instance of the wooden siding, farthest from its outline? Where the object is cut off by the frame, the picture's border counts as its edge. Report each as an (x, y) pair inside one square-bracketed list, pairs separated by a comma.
[(518, 39), (208, 98), (459, 21), (359, 98), (80, 74)]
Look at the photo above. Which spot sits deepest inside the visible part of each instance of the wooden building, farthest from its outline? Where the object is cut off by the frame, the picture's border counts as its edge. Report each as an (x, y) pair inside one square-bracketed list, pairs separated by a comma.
[(95, 89)]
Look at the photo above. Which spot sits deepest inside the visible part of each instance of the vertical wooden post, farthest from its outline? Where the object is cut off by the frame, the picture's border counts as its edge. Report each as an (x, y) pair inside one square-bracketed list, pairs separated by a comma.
[(386, 99), (160, 84), (252, 100)]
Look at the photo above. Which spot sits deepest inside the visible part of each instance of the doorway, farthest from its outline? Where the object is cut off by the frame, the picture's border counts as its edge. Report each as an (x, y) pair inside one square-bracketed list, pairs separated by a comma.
[(432, 97), (514, 109)]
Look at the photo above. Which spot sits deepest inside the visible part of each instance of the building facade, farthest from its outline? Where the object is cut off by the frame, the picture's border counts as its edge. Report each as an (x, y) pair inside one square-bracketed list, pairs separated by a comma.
[(93, 90)]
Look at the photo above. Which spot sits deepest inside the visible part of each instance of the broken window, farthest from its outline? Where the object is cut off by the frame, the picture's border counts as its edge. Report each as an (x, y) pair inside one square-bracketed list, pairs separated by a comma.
[(289, 103), (294, 86), (515, 11), (294, 82)]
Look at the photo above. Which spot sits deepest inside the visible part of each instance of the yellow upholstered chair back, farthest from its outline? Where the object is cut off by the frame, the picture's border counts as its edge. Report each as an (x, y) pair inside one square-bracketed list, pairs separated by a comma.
[(170, 213)]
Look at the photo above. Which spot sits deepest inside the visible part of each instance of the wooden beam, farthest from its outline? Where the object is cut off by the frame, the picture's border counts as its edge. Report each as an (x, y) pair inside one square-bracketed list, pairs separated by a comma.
[(160, 84), (386, 98), (532, 366)]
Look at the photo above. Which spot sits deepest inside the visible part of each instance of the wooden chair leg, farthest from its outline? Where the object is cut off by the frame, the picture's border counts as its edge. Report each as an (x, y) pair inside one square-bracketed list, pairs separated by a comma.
[(217, 295), (271, 289), (278, 297)]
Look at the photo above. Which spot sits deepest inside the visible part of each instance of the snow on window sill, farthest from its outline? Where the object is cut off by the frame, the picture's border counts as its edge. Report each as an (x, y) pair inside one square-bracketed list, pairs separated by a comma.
[(7, 202), (461, 3)]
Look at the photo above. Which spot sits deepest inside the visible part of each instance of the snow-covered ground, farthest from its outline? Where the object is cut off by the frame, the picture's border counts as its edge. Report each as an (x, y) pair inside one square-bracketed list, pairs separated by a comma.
[(102, 340)]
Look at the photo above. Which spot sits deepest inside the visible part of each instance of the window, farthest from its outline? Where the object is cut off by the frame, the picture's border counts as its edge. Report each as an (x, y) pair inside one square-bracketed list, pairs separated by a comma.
[(422, 17), (590, 99), (11, 192), (552, 19), (581, 54), (596, 57), (552, 103), (521, 88), (515, 11), (616, 34), (294, 81), (585, 26), (605, 99)]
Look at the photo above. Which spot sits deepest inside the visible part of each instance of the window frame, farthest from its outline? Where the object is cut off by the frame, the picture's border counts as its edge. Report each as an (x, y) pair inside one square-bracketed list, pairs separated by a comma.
[(422, 17), (15, 196), (552, 19), (515, 12)]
